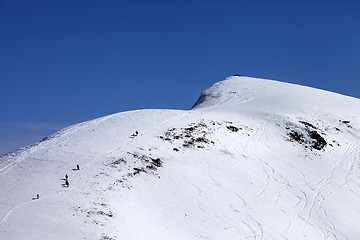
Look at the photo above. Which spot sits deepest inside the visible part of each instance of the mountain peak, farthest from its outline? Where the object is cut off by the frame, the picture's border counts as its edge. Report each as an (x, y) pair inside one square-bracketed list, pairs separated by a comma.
[(224, 91), (248, 94)]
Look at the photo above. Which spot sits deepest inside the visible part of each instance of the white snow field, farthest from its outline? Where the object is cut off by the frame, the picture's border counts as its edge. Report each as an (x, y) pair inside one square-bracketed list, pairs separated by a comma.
[(253, 159)]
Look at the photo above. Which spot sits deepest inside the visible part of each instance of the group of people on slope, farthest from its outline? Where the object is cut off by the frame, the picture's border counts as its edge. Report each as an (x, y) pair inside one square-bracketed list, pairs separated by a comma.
[(66, 184)]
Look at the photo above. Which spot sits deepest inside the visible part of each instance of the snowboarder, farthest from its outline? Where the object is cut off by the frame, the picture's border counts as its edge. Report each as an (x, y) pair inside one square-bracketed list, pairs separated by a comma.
[(78, 167), (66, 177), (37, 196), (67, 183)]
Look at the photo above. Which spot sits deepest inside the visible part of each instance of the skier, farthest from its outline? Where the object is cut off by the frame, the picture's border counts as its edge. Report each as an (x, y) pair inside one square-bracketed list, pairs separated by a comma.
[(67, 183), (78, 167), (37, 196), (66, 177)]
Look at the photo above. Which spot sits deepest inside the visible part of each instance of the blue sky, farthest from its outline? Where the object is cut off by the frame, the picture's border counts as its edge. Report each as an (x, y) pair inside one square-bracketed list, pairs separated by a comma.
[(63, 62)]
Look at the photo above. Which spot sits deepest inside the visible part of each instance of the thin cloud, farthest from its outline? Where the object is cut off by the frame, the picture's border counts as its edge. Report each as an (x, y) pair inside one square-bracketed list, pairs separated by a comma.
[(31, 126), (15, 135)]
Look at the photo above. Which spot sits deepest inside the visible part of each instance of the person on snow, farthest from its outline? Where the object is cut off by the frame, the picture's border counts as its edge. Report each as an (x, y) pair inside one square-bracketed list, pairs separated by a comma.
[(37, 196), (135, 134), (66, 177), (67, 183), (78, 167)]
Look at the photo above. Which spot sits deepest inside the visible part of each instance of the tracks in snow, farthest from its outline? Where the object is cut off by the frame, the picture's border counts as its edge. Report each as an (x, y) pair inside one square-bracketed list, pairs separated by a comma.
[(67, 134), (337, 178)]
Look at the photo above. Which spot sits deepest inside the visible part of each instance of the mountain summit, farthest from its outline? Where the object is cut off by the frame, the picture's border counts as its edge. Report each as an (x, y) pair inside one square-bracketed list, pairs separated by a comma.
[(253, 159), (271, 97)]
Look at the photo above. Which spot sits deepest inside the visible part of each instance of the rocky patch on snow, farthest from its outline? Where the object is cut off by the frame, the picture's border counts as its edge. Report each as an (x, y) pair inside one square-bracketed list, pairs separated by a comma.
[(116, 174), (308, 136), (106, 237), (98, 213), (131, 165), (197, 135)]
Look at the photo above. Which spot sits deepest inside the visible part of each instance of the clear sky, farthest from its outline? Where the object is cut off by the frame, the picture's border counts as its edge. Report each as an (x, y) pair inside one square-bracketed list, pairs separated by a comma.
[(64, 62)]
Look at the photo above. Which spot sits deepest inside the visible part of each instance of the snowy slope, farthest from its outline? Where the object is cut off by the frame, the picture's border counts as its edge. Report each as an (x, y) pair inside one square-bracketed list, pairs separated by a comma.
[(253, 159)]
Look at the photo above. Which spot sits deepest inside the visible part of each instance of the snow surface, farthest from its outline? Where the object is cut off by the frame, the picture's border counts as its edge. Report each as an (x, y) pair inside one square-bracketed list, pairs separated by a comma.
[(253, 159)]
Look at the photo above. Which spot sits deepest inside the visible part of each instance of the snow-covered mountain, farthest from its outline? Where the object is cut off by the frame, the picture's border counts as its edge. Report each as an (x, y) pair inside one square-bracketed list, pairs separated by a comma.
[(253, 159)]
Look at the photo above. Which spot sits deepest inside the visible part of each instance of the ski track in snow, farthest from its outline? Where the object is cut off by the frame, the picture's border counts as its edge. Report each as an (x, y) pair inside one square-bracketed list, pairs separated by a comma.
[(130, 140), (350, 155), (42, 145), (68, 132), (149, 130), (257, 230)]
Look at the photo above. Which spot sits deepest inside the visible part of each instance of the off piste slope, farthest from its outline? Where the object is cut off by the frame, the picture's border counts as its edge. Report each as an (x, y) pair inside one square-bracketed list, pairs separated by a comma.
[(253, 159)]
